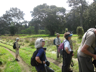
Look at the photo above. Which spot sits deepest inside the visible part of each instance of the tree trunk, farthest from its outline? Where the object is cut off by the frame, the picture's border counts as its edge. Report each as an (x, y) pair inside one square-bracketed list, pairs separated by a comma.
[(52, 33), (81, 14)]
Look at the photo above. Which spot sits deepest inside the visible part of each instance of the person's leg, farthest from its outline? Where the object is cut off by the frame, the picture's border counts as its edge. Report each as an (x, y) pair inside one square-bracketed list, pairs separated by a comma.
[(17, 53), (57, 52), (80, 69), (85, 64), (68, 61)]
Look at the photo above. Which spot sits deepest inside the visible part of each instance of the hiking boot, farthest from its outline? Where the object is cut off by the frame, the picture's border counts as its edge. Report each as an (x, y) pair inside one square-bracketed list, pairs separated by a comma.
[(16, 59)]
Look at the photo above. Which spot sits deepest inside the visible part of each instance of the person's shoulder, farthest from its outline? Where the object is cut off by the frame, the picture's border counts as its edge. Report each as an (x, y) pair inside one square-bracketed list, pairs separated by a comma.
[(15, 42), (91, 34), (56, 38), (41, 50)]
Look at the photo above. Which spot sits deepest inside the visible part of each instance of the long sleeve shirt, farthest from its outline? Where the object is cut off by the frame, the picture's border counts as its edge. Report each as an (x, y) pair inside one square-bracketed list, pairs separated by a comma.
[(57, 41)]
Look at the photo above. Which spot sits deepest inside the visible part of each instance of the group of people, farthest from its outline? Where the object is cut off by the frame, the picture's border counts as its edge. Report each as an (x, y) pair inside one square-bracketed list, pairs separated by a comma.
[(85, 51)]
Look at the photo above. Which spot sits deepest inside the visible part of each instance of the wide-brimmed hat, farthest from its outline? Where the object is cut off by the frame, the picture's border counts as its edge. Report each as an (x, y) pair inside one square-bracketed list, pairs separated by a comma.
[(38, 42)]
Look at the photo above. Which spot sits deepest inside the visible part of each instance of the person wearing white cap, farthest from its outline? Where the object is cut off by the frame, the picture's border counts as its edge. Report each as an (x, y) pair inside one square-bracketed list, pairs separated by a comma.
[(57, 42), (17, 48), (40, 57)]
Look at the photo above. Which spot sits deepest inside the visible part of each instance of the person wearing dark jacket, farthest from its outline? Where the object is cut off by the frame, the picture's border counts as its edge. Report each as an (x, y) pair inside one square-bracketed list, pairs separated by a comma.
[(40, 57)]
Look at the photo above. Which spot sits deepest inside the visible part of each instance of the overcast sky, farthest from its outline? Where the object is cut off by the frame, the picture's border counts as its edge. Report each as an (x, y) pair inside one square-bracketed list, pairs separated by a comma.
[(27, 5)]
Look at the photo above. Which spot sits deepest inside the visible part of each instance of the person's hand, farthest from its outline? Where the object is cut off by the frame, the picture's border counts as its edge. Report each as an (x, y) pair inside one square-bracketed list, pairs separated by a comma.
[(72, 54), (94, 56), (17, 48), (44, 62), (47, 63)]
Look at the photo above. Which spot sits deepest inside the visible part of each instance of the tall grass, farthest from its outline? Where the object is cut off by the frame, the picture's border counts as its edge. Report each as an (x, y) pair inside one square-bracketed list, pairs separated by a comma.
[(8, 63)]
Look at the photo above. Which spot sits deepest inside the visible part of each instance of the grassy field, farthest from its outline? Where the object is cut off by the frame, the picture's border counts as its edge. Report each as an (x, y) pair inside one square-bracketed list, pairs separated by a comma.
[(7, 63), (27, 48), (26, 56)]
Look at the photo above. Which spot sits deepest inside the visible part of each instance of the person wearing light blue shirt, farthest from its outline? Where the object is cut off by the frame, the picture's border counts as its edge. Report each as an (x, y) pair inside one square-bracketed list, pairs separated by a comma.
[(67, 57)]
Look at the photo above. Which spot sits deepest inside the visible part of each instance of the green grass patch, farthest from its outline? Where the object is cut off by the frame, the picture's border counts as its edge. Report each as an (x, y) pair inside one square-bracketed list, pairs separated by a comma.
[(26, 54), (8, 63)]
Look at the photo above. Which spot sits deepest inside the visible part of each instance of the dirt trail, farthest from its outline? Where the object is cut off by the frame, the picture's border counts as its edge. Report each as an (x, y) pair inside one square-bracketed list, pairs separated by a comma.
[(24, 66), (58, 63), (55, 62)]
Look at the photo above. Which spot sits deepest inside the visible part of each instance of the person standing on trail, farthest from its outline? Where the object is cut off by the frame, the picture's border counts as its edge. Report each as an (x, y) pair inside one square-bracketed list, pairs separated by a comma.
[(17, 48), (58, 42), (68, 53), (86, 51), (40, 57)]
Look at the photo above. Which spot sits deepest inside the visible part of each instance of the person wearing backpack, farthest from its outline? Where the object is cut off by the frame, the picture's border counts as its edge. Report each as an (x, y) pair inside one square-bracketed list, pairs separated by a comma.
[(86, 51), (17, 48), (40, 56), (68, 53), (57, 43)]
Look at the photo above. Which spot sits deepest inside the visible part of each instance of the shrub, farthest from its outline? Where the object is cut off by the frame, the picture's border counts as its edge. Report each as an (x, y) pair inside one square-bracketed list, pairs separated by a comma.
[(66, 29), (32, 44), (27, 41), (80, 31), (41, 31)]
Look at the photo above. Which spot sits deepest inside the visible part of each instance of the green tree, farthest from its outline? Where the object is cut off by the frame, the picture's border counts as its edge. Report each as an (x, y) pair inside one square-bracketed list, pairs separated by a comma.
[(82, 4), (14, 15), (12, 30), (51, 17), (90, 17), (36, 24)]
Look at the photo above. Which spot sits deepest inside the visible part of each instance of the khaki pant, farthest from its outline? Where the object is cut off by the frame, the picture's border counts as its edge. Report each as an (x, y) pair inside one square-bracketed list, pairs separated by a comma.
[(17, 52), (85, 64)]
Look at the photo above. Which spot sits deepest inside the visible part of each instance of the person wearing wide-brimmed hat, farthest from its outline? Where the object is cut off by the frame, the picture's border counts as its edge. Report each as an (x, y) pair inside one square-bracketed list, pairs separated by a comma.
[(58, 42), (40, 57)]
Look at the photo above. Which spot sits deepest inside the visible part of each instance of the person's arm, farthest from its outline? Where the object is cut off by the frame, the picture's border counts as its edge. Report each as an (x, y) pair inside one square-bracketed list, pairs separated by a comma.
[(84, 50), (16, 46), (66, 44), (56, 42), (38, 60), (39, 54), (90, 39), (67, 50)]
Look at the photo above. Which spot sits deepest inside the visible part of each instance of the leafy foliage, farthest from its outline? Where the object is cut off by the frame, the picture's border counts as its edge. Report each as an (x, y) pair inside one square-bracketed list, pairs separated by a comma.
[(12, 30), (51, 17), (80, 31)]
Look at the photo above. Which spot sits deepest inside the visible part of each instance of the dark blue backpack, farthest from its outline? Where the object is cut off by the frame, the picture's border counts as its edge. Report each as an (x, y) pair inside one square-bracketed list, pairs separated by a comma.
[(54, 41), (14, 45)]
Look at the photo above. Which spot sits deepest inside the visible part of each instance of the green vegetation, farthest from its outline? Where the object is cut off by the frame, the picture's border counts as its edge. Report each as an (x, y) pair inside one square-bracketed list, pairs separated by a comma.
[(80, 32), (28, 48), (8, 62), (26, 54)]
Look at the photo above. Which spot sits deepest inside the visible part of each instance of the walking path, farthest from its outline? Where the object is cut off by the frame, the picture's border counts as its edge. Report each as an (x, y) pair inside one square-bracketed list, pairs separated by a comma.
[(24, 66)]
